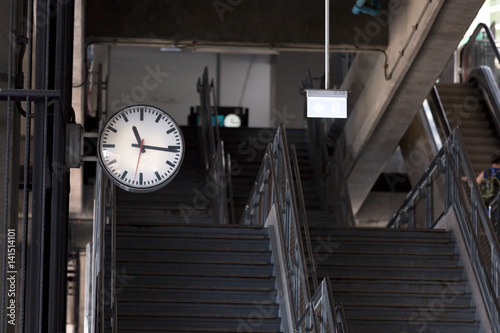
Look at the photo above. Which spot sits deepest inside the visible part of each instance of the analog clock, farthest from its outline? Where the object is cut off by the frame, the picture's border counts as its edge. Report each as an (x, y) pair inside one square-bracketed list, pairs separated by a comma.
[(232, 120), (141, 148)]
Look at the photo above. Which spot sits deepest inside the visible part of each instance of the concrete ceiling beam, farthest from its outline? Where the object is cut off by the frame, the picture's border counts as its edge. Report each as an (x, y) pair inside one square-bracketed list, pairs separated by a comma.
[(416, 55)]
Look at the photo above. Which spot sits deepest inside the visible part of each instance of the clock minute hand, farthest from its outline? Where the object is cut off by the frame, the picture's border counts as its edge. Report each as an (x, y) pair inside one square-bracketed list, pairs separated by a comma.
[(138, 138), (171, 149)]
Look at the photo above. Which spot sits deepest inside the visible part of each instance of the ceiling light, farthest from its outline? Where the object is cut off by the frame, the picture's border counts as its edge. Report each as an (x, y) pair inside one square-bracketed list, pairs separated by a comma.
[(234, 49)]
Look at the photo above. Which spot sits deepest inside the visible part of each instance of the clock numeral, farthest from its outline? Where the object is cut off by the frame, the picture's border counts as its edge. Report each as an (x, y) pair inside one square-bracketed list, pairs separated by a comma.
[(140, 178), (111, 162), (108, 145), (123, 176), (171, 164), (158, 118), (157, 175), (142, 114), (171, 130), (125, 118), (112, 129)]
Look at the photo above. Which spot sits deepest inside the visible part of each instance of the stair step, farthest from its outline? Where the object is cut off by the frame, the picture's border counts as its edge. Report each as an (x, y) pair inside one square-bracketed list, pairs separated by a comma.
[(404, 300), (192, 308), (192, 256), (377, 233), (411, 325), (195, 323), (197, 295), (390, 260), (483, 141), (195, 269), (176, 281), (393, 285), (193, 243), (183, 229), (358, 272), (323, 245)]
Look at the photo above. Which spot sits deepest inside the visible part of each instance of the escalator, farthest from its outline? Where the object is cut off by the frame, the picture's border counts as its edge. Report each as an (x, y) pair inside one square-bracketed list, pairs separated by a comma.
[(466, 109), (472, 106)]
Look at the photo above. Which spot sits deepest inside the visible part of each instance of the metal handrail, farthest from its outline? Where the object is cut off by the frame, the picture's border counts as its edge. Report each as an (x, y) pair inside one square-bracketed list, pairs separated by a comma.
[(214, 157), (274, 187), (322, 315), (217, 175), (104, 213), (451, 174), (493, 214), (301, 206), (440, 112), (207, 138), (229, 170), (469, 45)]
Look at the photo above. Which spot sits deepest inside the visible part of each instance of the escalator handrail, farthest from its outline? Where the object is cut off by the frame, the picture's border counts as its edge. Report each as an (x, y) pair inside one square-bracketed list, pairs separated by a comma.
[(441, 114), (472, 38), (485, 81)]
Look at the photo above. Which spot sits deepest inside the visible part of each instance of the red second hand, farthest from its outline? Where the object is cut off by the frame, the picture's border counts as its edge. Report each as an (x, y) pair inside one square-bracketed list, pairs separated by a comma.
[(140, 151)]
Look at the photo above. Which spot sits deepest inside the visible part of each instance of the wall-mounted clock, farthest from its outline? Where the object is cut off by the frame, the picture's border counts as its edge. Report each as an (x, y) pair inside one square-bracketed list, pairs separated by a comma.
[(232, 120), (141, 148)]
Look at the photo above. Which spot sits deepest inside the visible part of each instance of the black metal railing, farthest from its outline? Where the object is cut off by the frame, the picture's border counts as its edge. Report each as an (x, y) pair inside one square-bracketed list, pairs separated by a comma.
[(100, 292), (493, 212), (480, 50), (217, 163), (449, 183), (273, 202), (318, 316)]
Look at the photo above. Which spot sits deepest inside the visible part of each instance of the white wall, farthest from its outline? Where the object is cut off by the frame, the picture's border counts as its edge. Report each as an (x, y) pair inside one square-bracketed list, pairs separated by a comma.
[(245, 81), (145, 75)]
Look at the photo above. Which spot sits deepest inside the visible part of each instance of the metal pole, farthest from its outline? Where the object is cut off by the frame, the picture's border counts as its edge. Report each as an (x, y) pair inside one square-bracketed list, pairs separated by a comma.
[(327, 42)]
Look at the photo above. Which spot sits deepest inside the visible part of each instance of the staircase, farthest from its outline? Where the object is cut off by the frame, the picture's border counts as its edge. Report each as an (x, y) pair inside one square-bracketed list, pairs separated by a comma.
[(178, 272), (395, 280), (466, 110), (179, 278)]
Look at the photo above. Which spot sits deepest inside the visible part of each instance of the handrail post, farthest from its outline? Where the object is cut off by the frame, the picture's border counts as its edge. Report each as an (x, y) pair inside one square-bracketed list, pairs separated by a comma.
[(274, 191)]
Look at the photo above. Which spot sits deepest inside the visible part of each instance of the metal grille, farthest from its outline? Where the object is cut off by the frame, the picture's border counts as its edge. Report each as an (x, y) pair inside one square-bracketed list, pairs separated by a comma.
[(35, 97)]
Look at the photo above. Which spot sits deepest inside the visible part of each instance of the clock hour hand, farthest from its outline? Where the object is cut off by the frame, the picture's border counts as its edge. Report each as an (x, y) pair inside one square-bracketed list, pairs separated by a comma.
[(138, 138), (171, 149)]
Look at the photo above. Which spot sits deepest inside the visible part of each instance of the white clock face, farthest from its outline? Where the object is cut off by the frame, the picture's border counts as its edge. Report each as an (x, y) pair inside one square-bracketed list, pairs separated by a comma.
[(141, 148), (232, 120)]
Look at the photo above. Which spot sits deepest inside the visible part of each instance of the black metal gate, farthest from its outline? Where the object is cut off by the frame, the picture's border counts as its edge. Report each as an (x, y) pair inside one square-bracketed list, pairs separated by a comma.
[(34, 109)]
